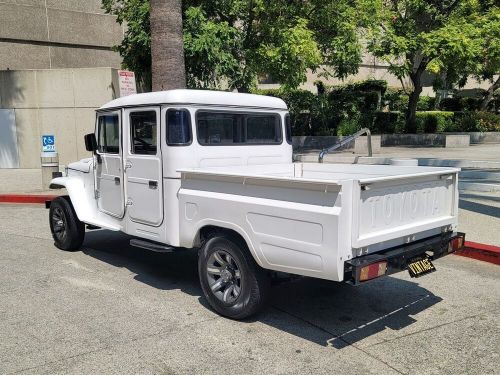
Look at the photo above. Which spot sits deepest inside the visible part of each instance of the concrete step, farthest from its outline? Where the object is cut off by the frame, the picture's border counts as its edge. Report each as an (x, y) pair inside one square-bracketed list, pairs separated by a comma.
[(478, 186), (481, 174), (432, 162)]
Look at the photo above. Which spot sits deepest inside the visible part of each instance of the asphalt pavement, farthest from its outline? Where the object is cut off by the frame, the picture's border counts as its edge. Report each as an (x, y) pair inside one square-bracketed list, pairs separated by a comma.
[(113, 309)]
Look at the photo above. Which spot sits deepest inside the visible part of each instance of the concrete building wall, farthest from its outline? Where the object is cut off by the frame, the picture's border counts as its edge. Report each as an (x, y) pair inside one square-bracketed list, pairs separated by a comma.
[(53, 34), (59, 102)]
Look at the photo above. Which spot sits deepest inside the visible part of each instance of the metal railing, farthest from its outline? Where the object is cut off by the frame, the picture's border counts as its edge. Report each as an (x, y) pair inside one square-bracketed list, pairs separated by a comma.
[(346, 140)]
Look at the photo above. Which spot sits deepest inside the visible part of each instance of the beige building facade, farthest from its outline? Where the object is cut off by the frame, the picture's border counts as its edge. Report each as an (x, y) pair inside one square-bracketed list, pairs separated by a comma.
[(55, 34), (56, 67)]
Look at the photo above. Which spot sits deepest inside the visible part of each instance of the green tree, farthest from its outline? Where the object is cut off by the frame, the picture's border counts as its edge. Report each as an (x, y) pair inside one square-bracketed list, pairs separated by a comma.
[(236, 41), (479, 32), (412, 36), (135, 48)]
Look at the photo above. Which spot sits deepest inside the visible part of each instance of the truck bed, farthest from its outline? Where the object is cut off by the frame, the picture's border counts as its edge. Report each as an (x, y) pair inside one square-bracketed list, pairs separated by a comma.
[(309, 218)]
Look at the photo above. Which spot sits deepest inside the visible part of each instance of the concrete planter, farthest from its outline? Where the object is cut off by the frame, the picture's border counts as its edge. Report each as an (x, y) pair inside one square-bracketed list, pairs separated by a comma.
[(427, 140)]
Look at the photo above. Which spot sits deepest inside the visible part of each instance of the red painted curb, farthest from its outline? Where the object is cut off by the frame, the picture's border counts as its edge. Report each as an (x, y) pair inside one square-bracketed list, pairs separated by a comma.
[(479, 251), (25, 198)]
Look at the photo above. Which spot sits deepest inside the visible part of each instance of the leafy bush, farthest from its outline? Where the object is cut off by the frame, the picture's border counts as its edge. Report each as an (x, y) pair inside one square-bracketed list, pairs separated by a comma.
[(450, 104), (426, 103), (396, 98), (470, 104), (343, 110), (348, 126), (388, 123), (434, 121), (487, 121)]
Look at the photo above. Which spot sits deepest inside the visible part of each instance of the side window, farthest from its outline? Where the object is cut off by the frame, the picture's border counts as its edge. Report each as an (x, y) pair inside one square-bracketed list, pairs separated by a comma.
[(218, 128), (108, 128), (226, 128), (144, 132), (288, 129), (178, 127), (263, 129)]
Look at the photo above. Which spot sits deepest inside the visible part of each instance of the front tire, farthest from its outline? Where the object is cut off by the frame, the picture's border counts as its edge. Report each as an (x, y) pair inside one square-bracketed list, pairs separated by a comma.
[(234, 285), (67, 230)]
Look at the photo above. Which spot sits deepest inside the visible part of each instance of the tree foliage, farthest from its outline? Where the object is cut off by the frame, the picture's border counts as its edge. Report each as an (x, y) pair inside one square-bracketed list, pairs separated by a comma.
[(233, 42), (135, 48), (415, 36)]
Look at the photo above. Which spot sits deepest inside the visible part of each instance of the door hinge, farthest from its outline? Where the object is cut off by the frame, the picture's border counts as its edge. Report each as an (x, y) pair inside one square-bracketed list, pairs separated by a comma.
[(97, 194), (130, 202)]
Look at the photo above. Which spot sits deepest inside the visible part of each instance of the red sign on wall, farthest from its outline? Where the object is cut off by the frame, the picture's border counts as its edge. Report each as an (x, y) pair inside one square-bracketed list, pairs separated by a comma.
[(126, 83)]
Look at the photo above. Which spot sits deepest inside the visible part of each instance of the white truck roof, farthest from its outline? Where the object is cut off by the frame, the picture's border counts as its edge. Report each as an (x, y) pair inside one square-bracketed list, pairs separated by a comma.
[(198, 97)]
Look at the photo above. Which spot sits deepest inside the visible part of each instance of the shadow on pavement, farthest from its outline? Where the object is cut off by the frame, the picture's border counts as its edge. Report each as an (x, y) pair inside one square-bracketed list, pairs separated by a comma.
[(323, 312), (485, 209)]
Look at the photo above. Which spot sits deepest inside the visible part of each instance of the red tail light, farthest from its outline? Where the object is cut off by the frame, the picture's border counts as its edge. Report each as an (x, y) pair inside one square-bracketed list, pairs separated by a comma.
[(372, 271), (456, 244)]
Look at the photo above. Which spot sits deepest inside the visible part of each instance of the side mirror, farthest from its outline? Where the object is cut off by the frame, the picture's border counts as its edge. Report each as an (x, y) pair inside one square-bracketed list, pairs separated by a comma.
[(90, 142)]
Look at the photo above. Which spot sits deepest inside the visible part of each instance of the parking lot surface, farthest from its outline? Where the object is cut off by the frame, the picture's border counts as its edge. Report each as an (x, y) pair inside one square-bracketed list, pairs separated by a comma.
[(114, 309)]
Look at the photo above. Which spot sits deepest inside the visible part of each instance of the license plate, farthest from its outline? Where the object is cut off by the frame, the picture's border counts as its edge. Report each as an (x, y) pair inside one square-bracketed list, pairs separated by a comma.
[(420, 266)]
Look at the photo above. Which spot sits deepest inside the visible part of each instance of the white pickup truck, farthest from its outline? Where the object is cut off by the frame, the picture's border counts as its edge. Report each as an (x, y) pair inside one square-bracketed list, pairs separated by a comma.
[(213, 171)]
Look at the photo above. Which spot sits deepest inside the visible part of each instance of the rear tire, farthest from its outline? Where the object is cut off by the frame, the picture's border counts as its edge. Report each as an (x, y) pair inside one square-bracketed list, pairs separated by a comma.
[(67, 230), (232, 282)]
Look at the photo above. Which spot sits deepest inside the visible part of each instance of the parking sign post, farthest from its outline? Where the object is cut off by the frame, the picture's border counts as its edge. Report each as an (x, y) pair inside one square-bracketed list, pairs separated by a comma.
[(49, 159)]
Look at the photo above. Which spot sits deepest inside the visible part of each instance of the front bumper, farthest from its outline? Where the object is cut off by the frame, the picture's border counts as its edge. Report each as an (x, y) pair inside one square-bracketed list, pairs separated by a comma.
[(397, 257)]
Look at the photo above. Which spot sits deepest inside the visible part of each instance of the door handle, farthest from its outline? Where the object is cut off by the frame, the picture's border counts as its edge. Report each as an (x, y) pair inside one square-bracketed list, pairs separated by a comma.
[(117, 180), (128, 165), (153, 184)]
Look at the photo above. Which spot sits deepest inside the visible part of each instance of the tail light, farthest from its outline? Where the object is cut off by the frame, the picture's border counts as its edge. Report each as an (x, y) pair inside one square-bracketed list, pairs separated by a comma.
[(373, 271), (456, 243)]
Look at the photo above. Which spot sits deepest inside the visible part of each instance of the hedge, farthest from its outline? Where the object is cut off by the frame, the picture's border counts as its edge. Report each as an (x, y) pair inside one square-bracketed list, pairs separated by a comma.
[(342, 110)]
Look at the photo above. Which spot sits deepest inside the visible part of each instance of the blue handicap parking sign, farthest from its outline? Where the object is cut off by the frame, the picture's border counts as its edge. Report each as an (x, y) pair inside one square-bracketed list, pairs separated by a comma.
[(48, 143)]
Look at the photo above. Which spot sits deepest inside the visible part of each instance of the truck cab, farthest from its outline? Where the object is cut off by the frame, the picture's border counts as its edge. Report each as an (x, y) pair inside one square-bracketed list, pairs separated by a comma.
[(213, 171)]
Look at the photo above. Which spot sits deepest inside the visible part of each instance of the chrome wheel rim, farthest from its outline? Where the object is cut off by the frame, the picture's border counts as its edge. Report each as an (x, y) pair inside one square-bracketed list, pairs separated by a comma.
[(224, 276), (59, 224)]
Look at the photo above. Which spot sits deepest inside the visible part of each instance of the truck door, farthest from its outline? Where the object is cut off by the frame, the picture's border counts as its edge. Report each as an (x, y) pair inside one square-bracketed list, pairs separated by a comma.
[(109, 171), (143, 171)]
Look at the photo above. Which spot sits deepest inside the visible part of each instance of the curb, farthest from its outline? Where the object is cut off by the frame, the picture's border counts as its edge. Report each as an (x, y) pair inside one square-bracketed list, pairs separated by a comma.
[(479, 251), (26, 198)]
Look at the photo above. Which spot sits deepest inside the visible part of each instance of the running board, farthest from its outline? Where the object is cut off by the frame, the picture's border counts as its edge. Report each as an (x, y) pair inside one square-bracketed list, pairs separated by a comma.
[(152, 246)]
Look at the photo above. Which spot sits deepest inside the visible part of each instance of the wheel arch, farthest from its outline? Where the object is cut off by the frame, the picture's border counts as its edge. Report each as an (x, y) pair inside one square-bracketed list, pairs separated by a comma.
[(78, 196), (229, 230)]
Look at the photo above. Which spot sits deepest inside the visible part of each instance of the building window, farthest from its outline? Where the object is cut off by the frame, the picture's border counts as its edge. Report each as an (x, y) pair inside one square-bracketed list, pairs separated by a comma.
[(227, 128), (108, 128), (144, 132), (178, 127)]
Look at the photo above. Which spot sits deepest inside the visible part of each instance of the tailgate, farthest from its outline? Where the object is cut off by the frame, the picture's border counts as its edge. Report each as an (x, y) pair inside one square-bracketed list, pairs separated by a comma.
[(391, 207)]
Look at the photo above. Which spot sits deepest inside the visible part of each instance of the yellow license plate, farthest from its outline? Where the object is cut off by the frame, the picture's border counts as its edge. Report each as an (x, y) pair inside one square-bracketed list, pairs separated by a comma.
[(420, 266)]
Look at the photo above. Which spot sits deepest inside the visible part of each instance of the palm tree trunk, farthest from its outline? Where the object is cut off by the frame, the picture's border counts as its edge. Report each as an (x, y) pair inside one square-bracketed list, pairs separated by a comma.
[(167, 45)]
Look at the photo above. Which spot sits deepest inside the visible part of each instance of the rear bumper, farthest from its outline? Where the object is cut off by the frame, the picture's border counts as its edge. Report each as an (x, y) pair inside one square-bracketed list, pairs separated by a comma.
[(398, 257)]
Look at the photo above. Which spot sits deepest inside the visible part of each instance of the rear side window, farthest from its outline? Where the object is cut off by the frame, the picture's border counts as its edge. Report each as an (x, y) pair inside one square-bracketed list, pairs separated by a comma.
[(178, 127), (108, 128), (226, 128), (288, 129), (144, 132)]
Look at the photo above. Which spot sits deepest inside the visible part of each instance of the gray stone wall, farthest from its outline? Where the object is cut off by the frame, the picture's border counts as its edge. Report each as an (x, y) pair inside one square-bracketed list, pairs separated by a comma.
[(51, 34)]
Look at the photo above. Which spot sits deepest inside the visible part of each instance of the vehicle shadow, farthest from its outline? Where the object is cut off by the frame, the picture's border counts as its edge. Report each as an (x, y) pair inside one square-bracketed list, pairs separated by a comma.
[(344, 314), (322, 312)]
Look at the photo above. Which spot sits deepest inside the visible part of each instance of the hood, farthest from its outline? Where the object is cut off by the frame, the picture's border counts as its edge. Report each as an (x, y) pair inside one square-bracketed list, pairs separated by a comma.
[(83, 165)]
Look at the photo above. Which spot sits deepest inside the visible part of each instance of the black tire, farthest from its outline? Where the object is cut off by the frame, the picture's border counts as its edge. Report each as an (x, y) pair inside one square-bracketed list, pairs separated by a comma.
[(68, 232), (253, 282)]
